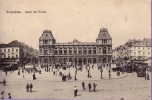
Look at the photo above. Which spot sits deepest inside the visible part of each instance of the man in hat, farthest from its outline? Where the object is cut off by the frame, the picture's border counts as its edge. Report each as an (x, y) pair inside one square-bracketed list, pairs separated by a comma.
[(89, 86), (75, 91), (83, 85), (94, 87), (27, 87)]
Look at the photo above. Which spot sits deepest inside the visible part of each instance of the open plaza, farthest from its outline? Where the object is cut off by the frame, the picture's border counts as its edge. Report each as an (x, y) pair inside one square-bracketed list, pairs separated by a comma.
[(49, 85)]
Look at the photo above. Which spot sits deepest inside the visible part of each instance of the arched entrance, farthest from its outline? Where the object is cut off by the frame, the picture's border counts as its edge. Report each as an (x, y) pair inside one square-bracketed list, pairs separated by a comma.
[(89, 61), (55, 60), (94, 61), (61, 61), (84, 61), (46, 61), (70, 59), (65, 60), (104, 60), (75, 61), (80, 61)]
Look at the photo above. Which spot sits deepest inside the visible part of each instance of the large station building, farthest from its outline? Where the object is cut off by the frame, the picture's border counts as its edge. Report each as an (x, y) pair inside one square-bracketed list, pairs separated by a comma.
[(75, 52)]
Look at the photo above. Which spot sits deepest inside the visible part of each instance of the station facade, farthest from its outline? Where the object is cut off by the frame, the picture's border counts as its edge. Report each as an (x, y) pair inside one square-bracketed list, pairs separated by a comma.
[(75, 52)]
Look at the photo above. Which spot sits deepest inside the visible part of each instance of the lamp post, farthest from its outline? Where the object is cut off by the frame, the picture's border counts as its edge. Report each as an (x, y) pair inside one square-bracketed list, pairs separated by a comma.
[(75, 66)]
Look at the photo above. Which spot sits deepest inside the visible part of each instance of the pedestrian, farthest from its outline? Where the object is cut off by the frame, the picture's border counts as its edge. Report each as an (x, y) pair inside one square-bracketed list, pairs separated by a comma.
[(89, 86), (53, 72), (31, 86), (88, 73), (27, 87), (4, 82), (34, 77), (2, 95), (109, 74), (101, 70), (6, 72), (75, 91), (90, 76), (9, 96), (83, 85), (19, 72), (94, 87)]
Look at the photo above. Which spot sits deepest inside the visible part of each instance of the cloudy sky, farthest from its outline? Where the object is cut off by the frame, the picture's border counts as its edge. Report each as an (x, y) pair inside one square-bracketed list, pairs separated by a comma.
[(70, 19)]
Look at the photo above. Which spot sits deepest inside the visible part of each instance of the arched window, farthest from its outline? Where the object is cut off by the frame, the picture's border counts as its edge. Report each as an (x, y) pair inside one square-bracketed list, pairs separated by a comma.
[(75, 50), (104, 50), (46, 52), (60, 50), (56, 50), (80, 50), (109, 49), (100, 50), (16, 56), (94, 50), (84, 50), (65, 50), (89, 50), (70, 50)]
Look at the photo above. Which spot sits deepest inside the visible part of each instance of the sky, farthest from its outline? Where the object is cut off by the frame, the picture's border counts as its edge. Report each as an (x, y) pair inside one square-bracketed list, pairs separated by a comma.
[(70, 19)]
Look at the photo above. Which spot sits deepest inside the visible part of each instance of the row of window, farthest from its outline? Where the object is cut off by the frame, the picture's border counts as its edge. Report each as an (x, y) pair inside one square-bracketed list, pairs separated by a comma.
[(8, 50), (11, 56), (139, 53), (80, 52), (140, 48)]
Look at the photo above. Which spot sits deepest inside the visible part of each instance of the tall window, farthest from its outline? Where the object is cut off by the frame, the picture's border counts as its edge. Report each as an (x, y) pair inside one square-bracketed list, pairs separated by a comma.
[(100, 50), (94, 50), (60, 50), (12, 49), (80, 50), (143, 53), (46, 52), (70, 50), (8, 50), (109, 50), (9, 56), (89, 50), (16, 56), (105, 41), (75, 50), (16, 50), (45, 41), (65, 50), (104, 50), (55, 50), (84, 50)]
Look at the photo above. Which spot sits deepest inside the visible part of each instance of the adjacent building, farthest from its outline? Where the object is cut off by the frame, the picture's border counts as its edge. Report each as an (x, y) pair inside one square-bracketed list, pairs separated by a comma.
[(75, 52), (139, 49), (9, 53), (134, 49)]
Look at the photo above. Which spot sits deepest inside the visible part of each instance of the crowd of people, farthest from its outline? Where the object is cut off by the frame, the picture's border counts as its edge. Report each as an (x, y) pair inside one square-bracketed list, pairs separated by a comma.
[(84, 88), (59, 71)]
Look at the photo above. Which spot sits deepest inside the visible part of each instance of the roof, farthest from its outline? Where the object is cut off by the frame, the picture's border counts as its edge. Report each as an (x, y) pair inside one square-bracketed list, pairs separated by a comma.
[(147, 40), (47, 34), (3, 45), (103, 34)]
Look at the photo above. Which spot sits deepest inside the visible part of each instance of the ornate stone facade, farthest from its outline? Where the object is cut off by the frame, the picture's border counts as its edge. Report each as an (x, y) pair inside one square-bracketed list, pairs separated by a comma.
[(75, 52)]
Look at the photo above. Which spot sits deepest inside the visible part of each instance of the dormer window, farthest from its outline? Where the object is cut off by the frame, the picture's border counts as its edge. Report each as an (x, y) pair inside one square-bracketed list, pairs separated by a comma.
[(45, 41)]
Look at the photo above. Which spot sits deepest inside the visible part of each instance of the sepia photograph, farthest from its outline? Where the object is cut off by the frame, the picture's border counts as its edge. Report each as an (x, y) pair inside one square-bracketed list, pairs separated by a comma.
[(75, 49)]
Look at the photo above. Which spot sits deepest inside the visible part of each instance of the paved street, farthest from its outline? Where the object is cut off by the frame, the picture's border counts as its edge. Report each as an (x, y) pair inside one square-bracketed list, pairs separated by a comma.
[(128, 86)]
